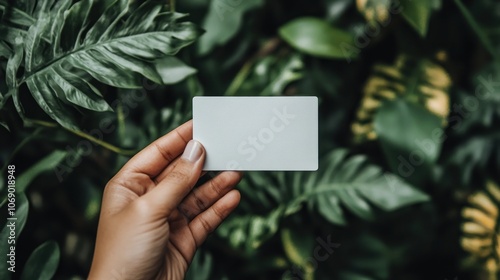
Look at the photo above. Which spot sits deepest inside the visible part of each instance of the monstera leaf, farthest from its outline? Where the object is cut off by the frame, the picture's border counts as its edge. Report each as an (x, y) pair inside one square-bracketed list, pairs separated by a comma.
[(357, 185), (118, 43), (342, 182), (411, 96)]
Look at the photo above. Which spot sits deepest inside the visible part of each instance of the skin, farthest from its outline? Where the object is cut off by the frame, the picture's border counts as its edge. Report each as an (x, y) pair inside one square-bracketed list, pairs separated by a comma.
[(152, 220)]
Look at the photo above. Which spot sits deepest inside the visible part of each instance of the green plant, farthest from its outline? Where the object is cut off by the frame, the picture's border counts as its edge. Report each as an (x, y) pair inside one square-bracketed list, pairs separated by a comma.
[(409, 111)]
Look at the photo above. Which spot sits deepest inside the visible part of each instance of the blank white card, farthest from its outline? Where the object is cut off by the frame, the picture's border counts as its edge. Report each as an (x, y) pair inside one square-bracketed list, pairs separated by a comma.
[(257, 133)]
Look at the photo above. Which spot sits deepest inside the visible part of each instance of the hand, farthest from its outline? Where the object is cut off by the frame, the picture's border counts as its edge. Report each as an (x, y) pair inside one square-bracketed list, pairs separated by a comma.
[(152, 220)]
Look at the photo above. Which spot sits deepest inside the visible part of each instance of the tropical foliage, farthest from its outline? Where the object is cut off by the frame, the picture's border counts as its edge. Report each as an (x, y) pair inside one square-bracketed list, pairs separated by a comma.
[(409, 136)]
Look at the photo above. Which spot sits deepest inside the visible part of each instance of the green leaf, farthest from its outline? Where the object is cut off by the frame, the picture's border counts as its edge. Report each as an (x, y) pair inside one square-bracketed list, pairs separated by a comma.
[(356, 184), (201, 267), (249, 232), (364, 257), (292, 71), (172, 70), (48, 163), (10, 34), (481, 34), (121, 49), (43, 262), (317, 37), (408, 135), (487, 95), (223, 21), (15, 15), (417, 13), (13, 65), (298, 246), (5, 50), (21, 216)]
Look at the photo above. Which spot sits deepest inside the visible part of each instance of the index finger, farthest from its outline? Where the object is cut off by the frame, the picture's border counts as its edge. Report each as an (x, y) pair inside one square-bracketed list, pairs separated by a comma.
[(159, 154)]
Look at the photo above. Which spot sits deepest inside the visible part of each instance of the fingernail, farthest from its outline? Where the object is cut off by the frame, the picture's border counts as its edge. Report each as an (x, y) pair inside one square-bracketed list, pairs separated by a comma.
[(193, 151)]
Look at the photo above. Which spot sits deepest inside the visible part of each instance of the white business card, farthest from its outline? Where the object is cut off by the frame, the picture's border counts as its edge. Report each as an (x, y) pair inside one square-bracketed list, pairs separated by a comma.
[(257, 133)]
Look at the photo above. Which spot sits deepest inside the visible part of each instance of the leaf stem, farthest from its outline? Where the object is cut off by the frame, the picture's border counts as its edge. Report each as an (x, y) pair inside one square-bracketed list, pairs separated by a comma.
[(477, 29), (84, 135), (270, 46), (121, 119), (172, 5), (240, 78)]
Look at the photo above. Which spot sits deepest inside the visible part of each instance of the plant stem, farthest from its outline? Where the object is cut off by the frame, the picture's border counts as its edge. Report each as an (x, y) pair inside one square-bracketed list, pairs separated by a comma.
[(477, 29), (92, 139), (172, 5), (240, 78), (268, 47), (121, 119)]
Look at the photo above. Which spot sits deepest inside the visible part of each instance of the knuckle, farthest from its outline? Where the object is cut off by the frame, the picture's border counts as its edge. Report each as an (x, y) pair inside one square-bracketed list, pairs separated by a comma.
[(141, 207), (198, 202), (217, 183), (179, 174), (206, 225), (166, 154), (218, 213)]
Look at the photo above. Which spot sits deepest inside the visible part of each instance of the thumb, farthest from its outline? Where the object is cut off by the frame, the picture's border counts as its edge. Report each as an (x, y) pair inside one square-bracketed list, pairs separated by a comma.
[(177, 183)]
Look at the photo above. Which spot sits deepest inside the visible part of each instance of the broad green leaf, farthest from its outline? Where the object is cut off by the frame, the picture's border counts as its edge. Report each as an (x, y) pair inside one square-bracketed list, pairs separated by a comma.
[(172, 70), (21, 215), (298, 246), (356, 184), (48, 163), (317, 37), (111, 42), (417, 13), (330, 208), (223, 21), (43, 262), (408, 135)]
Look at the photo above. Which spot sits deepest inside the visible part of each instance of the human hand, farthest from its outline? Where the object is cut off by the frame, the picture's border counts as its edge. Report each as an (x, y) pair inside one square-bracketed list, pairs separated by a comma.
[(152, 220)]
